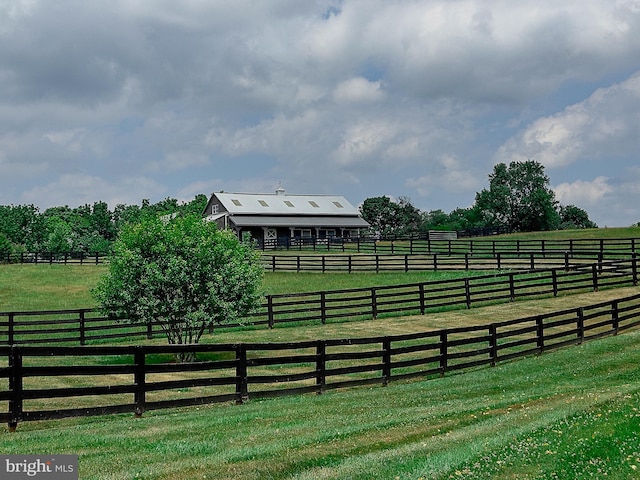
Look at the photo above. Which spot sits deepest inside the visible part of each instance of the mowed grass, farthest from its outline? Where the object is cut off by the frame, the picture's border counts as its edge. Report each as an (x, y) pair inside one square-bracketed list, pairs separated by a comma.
[(573, 413), (569, 414), (56, 287)]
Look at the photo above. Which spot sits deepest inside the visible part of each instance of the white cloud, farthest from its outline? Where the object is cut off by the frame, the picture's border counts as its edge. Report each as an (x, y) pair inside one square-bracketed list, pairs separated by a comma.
[(342, 96), (80, 189), (582, 192), (606, 123)]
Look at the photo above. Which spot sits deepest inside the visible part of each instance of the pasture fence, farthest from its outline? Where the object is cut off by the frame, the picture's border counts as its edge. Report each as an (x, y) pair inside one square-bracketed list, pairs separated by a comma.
[(47, 382), (398, 262), (589, 249), (460, 246), (85, 326)]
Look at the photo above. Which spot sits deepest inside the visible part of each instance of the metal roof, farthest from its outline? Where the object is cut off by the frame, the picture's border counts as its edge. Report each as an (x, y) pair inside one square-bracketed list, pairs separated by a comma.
[(285, 204), (297, 221)]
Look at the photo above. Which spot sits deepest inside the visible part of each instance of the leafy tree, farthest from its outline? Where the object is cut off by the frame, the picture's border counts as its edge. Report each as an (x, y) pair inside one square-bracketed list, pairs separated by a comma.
[(572, 217), (519, 198), (388, 218), (407, 217), (183, 273), (378, 211), (23, 226)]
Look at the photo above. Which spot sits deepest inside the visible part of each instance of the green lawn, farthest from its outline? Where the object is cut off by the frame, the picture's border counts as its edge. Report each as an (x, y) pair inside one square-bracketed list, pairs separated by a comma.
[(570, 414), (51, 287)]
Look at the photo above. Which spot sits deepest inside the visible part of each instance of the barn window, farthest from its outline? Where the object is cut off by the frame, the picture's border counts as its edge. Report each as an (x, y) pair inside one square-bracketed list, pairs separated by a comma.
[(236, 202), (263, 203), (313, 204), (338, 204), (288, 203)]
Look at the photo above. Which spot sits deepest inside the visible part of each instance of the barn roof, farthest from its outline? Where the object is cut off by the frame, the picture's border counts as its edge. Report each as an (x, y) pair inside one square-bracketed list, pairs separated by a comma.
[(281, 203)]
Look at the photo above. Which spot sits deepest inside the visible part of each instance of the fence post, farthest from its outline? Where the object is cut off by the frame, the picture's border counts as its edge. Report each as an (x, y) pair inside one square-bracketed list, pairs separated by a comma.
[(422, 305), (377, 263), (323, 263), (97, 258), (374, 304), (323, 307), (139, 378), (270, 314), (298, 263), (435, 262), (634, 268), (242, 387), (493, 344), (580, 325), (540, 333), (512, 288), (149, 330), (386, 360), (443, 352), (321, 365), (82, 327), (350, 264), (81, 258), (467, 293), (406, 263), (498, 260), (11, 329), (15, 387), (532, 261), (594, 276), (273, 263), (554, 279), (600, 260), (566, 261), (615, 323)]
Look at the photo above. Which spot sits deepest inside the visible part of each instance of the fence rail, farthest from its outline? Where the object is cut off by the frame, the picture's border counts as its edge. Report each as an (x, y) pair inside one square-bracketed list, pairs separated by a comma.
[(474, 247), (460, 246), (57, 382), (397, 262), (85, 326)]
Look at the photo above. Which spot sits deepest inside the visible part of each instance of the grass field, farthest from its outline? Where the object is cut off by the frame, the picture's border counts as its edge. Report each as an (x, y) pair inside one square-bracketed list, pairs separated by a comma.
[(570, 414), (51, 287)]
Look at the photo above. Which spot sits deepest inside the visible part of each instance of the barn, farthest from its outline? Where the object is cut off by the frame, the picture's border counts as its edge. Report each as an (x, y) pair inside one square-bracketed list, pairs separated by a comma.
[(283, 218)]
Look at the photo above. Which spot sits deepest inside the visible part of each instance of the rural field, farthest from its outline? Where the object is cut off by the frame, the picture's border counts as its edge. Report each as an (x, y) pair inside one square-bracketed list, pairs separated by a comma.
[(570, 413)]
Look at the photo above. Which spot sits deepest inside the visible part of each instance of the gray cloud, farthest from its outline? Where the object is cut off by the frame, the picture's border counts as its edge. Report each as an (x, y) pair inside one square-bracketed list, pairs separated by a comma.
[(359, 97)]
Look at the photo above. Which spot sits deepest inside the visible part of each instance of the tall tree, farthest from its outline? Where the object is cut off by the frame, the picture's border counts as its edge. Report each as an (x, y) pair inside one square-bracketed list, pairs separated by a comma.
[(519, 198)]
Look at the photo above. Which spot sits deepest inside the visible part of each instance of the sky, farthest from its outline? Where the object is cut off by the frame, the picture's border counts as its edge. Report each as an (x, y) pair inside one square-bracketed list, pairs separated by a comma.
[(124, 100)]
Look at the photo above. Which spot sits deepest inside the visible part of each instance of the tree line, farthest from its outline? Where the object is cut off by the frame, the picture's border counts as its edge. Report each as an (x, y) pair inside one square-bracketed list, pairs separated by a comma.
[(88, 228), (518, 199)]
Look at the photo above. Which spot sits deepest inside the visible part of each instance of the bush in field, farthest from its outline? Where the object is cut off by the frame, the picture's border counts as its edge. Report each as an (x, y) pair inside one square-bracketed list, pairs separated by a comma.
[(184, 273)]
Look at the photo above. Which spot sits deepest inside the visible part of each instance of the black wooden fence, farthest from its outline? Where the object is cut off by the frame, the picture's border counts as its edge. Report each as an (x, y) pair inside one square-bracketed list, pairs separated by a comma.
[(397, 262), (474, 247), (477, 246), (56, 382), (86, 325)]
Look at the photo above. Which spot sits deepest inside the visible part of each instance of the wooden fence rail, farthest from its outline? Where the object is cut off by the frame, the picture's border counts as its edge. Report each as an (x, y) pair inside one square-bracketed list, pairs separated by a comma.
[(397, 262), (475, 247), (85, 326), (57, 382), (460, 246)]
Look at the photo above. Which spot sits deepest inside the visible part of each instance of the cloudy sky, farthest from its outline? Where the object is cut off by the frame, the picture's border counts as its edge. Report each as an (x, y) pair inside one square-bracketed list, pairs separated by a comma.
[(120, 100)]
